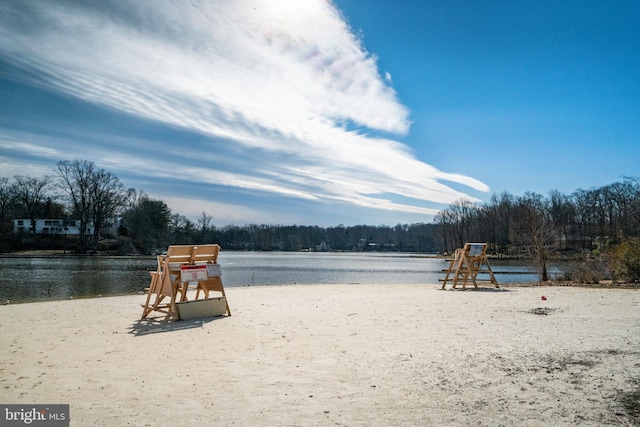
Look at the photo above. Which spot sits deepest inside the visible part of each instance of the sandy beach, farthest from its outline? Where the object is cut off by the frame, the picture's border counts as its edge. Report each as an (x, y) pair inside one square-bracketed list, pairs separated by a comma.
[(342, 355)]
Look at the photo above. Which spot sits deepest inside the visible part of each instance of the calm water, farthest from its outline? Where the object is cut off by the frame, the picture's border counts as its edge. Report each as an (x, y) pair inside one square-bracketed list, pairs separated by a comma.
[(46, 278)]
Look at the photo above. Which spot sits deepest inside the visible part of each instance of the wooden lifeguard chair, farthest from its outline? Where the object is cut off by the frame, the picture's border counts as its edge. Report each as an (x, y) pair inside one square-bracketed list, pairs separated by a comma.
[(181, 266), (467, 264)]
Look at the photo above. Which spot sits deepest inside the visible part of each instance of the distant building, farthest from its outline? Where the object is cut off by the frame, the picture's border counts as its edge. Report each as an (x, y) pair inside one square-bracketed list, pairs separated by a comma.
[(51, 226), (323, 247)]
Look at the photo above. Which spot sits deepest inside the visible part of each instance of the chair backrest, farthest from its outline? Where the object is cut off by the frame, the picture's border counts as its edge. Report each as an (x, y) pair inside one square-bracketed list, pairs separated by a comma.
[(205, 253), (187, 254), (475, 249), (476, 253), (179, 254)]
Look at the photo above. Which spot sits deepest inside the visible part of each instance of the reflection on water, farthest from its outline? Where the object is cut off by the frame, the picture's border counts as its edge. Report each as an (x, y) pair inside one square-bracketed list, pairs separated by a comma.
[(43, 278), (46, 278)]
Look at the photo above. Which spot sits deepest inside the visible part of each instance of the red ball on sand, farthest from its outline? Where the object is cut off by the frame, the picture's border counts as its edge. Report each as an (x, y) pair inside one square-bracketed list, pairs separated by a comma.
[(544, 298)]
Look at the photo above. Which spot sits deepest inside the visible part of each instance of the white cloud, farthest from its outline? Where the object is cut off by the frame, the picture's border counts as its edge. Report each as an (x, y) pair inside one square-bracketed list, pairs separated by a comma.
[(280, 77)]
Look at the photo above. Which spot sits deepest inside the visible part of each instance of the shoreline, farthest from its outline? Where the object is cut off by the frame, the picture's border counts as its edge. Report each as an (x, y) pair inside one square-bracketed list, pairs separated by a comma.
[(333, 355), (551, 284)]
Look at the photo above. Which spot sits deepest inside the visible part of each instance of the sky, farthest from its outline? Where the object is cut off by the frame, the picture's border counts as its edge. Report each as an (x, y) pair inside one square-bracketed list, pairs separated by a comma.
[(321, 112)]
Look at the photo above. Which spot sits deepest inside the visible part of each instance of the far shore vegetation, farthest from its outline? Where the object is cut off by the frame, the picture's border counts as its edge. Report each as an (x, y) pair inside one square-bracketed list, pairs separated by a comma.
[(596, 226)]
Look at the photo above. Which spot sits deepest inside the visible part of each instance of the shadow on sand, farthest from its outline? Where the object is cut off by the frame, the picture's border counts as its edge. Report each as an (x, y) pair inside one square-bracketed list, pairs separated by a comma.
[(150, 326), (478, 289)]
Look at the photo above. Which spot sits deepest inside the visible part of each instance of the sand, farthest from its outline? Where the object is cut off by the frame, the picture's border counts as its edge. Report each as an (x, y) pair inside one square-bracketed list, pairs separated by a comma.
[(340, 355)]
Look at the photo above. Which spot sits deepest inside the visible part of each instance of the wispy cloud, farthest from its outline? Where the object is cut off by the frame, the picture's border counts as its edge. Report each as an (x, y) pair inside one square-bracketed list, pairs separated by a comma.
[(284, 91)]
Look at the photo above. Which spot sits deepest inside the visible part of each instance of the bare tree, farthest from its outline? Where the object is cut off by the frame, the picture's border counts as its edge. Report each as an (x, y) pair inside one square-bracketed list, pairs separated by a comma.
[(31, 194), (622, 201), (563, 214), (133, 198), (461, 214), (204, 221), (443, 220), (76, 178), (107, 196), (634, 206), (7, 198), (182, 229), (497, 215), (535, 224)]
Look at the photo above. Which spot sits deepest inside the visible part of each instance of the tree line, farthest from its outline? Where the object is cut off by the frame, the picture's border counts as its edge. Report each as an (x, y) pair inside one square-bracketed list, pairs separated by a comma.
[(597, 220), (531, 225), (81, 191)]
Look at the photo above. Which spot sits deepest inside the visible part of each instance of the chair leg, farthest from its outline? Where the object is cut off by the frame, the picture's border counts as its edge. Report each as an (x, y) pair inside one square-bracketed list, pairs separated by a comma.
[(152, 290)]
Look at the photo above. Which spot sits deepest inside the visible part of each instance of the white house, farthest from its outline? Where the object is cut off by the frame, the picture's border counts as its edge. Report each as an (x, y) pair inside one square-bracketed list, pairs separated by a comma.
[(51, 226)]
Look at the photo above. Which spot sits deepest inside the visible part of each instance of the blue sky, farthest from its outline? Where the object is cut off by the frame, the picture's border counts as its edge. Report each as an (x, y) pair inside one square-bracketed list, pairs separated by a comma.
[(323, 113)]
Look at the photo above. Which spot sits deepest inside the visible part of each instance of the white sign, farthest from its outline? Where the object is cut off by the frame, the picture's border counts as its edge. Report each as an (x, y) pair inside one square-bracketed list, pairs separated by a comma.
[(193, 273), (213, 270)]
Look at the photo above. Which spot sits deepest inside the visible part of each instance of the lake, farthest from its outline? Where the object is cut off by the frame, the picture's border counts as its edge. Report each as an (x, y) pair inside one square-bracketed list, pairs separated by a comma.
[(24, 279)]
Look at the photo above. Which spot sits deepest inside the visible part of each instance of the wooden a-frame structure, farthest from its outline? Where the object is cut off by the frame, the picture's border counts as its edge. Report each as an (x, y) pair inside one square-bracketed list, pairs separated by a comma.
[(466, 264)]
